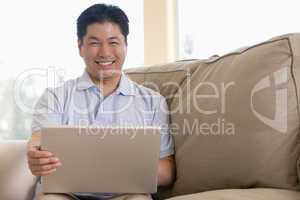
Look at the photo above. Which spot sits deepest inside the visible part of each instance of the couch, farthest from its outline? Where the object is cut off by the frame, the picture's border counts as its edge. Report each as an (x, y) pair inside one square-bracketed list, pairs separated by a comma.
[(234, 120)]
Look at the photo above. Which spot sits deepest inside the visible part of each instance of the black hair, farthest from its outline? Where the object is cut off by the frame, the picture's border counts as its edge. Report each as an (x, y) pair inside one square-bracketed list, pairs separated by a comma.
[(100, 13)]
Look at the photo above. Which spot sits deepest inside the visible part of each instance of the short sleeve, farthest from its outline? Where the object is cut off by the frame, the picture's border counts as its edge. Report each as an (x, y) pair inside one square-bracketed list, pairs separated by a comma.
[(47, 111), (161, 119)]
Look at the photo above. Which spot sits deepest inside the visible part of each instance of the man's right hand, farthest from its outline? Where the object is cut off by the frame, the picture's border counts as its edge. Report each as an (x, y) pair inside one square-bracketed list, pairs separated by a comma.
[(41, 162)]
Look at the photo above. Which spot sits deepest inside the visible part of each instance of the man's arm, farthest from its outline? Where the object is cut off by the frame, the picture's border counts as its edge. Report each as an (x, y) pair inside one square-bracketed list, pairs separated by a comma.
[(166, 171), (35, 140), (166, 166), (42, 162)]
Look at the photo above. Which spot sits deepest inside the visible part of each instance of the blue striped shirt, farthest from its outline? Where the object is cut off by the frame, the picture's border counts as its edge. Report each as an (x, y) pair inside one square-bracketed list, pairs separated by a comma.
[(80, 102)]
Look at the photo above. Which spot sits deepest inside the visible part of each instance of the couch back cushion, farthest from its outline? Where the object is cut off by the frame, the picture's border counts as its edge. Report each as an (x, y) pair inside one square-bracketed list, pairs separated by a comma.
[(235, 119), (165, 79), (239, 128), (16, 181)]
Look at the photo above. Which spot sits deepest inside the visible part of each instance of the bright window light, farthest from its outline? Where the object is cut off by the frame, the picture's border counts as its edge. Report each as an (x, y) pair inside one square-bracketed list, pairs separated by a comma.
[(39, 37), (214, 27)]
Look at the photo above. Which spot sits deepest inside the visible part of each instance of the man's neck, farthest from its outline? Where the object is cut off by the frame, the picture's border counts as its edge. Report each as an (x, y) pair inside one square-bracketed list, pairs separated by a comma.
[(108, 86)]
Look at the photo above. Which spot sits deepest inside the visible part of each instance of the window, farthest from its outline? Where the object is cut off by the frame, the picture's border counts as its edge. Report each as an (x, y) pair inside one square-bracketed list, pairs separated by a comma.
[(38, 40), (214, 27)]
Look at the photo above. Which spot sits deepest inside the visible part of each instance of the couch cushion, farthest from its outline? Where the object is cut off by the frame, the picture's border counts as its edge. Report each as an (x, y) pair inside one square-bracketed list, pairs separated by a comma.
[(242, 194), (165, 79), (16, 181), (236, 120)]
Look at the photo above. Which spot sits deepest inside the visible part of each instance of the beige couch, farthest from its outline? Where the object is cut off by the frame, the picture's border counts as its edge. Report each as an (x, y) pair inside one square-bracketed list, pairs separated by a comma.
[(234, 119)]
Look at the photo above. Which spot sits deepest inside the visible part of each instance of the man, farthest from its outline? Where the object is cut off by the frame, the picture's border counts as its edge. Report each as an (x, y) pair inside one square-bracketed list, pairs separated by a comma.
[(101, 96)]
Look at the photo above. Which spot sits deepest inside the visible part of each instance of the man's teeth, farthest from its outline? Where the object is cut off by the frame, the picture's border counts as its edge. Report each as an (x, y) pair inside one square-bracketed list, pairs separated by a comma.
[(104, 63)]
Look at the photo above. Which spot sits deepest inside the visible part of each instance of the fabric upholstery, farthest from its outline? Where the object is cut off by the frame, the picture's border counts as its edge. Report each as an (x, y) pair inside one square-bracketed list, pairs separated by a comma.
[(242, 194), (16, 181), (235, 118)]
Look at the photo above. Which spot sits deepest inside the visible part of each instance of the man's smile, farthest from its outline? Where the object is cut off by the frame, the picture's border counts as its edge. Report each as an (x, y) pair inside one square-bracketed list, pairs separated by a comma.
[(104, 64)]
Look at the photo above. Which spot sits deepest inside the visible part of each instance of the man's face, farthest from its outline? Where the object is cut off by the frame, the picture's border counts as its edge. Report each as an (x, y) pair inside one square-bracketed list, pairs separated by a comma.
[(103, 50)]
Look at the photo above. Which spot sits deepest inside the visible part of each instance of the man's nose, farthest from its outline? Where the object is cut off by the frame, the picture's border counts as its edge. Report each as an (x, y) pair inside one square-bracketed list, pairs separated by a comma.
[(104, 51)]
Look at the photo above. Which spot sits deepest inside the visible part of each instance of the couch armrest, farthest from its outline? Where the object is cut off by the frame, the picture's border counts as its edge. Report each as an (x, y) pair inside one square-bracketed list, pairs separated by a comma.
[(16, 180)]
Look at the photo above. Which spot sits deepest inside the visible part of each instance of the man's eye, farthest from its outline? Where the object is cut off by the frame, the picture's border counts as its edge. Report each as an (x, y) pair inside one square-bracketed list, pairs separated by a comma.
[(94, 43), (114, 43)]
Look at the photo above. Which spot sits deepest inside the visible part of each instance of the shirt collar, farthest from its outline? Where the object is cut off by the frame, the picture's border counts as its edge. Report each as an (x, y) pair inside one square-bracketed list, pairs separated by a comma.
[(84, 81), (126, 86)]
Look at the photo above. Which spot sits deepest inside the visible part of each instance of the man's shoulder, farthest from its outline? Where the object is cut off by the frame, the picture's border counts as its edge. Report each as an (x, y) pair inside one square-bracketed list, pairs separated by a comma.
[(62, 90), (142, 90), (150, 97)]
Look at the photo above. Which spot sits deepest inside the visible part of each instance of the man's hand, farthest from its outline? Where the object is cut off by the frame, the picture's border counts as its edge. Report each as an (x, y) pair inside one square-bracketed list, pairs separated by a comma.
[(40, 162), (166, 171)]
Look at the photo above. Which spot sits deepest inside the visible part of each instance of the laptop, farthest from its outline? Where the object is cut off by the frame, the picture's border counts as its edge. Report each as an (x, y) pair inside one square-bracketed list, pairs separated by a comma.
[(102, 159)]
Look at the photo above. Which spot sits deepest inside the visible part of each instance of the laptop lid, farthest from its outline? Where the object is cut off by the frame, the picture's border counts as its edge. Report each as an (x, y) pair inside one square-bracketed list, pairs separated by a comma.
[(110, 159)]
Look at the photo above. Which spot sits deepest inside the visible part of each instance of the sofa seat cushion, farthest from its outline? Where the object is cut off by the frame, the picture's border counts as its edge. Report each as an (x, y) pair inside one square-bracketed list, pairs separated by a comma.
[(242, 194)]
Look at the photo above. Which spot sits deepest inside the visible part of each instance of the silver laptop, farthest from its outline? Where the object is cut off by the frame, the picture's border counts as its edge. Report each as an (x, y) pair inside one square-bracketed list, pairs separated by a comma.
[(111, 159)]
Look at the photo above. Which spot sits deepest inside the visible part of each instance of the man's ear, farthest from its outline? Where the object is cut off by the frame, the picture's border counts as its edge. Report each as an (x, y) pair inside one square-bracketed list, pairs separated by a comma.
[(79, 44)]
